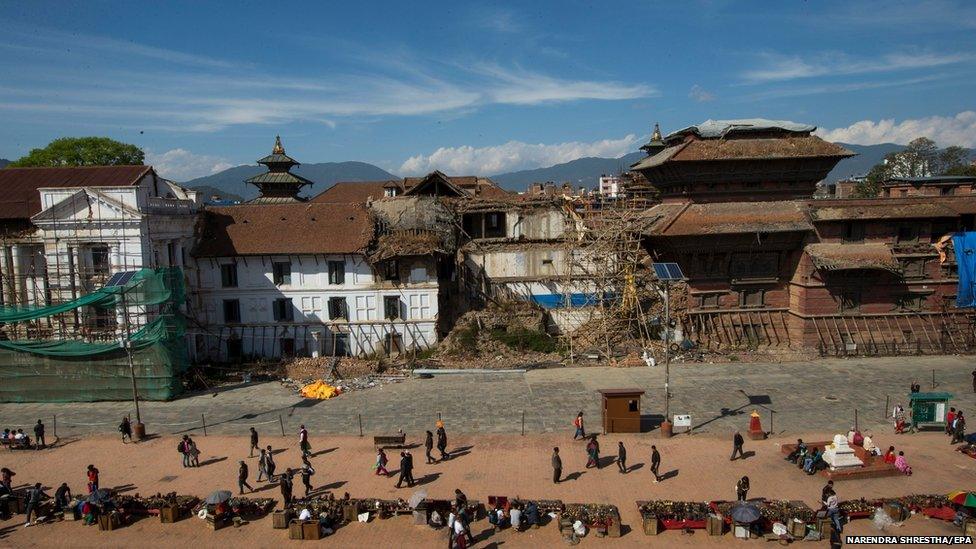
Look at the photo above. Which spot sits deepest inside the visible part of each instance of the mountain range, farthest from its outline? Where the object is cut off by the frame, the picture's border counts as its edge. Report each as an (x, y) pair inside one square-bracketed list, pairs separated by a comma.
[(229, 184)]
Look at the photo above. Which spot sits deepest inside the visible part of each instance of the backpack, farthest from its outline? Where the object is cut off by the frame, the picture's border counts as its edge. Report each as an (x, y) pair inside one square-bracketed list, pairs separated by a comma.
[(179, 447)]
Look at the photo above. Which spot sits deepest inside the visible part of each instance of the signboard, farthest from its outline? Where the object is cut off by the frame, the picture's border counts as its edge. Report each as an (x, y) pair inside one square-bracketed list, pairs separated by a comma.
[(682, 421)]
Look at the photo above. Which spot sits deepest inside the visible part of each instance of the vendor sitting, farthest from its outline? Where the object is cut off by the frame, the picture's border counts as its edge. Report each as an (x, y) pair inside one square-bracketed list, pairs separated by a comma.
[(497, 518), (326, 524), (798, 453), (889, 456), (854, 437), (812, 462), (531, 514), (870, 447), (306, 514), (902, 464)]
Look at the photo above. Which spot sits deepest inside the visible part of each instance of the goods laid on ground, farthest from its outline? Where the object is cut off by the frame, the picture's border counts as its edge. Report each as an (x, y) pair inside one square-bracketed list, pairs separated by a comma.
[(320, 390), (672, 515), (602, 518)]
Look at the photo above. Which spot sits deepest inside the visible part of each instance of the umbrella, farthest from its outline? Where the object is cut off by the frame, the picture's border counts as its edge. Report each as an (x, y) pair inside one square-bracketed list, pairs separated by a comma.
[(966, 499), (745, 513), (416, 498), (219, 496), (100, 496)]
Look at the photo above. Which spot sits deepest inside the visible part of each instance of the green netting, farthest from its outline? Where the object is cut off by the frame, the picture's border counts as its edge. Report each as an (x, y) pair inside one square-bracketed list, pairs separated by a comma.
[(77, 370)]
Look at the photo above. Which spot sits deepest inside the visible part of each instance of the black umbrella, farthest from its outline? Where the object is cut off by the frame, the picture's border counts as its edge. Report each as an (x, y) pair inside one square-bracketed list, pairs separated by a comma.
[(219, 496), (745, 513), (100, 497)]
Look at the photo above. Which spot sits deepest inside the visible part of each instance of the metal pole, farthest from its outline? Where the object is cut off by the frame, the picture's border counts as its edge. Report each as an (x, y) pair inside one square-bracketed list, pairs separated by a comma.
[(884, 416), (282, 424), (204, 420), (933, 378), (55, 425), (667, 352), (855, 419), (523, 423), (127, 344), (360, 424), (771, 431)]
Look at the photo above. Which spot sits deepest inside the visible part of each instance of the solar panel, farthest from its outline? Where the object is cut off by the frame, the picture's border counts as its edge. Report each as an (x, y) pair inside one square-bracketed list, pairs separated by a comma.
[(120, 279), (668, 272)]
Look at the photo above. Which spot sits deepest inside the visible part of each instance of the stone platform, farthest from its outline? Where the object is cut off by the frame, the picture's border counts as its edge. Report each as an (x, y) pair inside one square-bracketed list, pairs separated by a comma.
[(874, 466)]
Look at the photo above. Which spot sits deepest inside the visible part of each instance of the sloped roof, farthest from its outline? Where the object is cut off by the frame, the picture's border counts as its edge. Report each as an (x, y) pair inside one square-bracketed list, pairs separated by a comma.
[(712, 129), (357, 192), (269, 229), (696, 150), (845, 257), (882, 209), (19, 196), (731, 218)]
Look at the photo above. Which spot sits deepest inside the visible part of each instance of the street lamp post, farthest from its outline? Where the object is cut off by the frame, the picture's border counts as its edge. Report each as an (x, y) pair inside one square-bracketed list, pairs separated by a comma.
[(666, 427), (139, 429)]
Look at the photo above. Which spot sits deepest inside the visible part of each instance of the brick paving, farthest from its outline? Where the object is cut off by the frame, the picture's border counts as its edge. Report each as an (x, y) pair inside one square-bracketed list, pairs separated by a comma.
[(805, 396), (492, 464)]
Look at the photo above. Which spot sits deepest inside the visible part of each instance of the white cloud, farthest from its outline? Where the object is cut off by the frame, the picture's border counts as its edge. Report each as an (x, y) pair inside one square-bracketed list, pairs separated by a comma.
[(779, 67), (514, 155), (944, 130), (700, 94), (173, 98), (183, 165)]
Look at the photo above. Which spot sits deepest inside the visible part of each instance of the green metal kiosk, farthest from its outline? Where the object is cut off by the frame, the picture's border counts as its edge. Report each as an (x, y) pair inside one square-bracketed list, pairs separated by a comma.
[(929, 409)]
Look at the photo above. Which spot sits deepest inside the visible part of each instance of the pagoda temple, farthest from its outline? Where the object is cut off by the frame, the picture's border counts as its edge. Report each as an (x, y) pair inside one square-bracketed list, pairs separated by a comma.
[(278, 185)]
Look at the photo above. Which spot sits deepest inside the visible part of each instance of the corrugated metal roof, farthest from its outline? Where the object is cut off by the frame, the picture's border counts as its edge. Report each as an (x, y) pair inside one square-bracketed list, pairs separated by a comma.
[(19, 196), (711, 129)]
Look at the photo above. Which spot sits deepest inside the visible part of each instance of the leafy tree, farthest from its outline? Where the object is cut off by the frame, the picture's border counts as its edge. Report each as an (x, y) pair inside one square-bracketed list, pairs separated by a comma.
[(83, 151), (962, 170), (870, 186), (951, 158)]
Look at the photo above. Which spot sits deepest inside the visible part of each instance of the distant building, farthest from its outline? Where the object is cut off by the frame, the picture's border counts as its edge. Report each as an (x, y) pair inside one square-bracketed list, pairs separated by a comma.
[(938, 185), (611, 186)]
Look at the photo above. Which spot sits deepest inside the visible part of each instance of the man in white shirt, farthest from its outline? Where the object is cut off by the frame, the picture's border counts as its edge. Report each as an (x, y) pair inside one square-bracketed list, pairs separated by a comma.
[(516, 515), (306, 514), (833, 511)]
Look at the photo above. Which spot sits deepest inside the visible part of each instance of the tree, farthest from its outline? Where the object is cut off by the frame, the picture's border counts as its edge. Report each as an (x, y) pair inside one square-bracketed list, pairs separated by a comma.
[(962, 169), (870, 186), (82, 151), (951, 158)]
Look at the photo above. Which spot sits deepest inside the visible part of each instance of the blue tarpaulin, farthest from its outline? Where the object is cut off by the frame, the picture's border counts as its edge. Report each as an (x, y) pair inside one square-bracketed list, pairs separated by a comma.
[(965, 246)]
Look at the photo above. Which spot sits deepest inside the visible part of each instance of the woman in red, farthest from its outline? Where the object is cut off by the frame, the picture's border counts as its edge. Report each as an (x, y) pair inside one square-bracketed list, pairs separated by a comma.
[(92, 479), (889, 456)]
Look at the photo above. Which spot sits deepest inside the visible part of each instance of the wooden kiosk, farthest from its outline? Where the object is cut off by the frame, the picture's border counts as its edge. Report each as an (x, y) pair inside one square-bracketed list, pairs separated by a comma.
[(621, 410)]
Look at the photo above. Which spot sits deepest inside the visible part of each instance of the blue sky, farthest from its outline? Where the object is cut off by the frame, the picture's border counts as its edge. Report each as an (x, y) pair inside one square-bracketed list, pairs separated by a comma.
[(477, 88)]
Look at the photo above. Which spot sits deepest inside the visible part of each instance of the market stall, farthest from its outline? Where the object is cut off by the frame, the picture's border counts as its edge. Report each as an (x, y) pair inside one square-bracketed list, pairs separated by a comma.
[(658, 515), (603, 519)]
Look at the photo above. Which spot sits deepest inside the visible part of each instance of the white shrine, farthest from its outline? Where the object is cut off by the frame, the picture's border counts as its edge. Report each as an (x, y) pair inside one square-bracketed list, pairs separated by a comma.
[(839, 454)]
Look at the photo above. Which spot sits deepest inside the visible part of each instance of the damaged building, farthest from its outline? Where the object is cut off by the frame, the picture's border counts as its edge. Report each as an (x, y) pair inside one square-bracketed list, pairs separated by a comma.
[(771, 268)]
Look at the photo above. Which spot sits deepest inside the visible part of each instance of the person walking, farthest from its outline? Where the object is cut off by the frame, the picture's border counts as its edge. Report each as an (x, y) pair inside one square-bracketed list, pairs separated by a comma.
[(655, 463), (428, 446), (285, 485), (254, 443), (737, 442), (742, 489), (381, 461), (442, 442), (403, 469), (307, 472), (974, 381), (125, 428), (39, 436), (242, 478), (578, 423), (958, 428), (34, 497), (184, 450), (270, 464), (303, 443), (193, 452), (263, 465), (92, 479), (592, 453), (557, 466), (621, 457)]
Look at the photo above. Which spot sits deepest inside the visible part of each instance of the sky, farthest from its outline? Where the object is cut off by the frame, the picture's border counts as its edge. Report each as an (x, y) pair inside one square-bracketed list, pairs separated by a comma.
[(469, 87)]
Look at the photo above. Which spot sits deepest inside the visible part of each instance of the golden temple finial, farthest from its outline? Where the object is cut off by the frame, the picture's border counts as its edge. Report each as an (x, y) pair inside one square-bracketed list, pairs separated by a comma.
[(278, 149), (656, 136)]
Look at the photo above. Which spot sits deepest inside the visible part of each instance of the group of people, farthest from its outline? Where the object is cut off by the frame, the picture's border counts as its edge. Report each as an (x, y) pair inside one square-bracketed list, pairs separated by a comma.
[(955, 426), (189, 451), (806, 458), (514, 514), (17, 438), (406, 458), (441, 443), (593, 453)]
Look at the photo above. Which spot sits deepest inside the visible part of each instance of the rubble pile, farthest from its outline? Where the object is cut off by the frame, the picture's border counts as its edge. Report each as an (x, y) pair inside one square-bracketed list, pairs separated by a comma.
[(508, 335), (344, 373)]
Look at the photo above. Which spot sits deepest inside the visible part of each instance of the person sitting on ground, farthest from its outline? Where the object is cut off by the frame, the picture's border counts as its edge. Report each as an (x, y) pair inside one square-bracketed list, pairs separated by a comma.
[(306, 513), (326, 525), (21, 439), (531, 514), (797, 452), (902, 464), (6, 434), (497, 518), (812, 461), (515, 516), (870, 447), (890, 456)]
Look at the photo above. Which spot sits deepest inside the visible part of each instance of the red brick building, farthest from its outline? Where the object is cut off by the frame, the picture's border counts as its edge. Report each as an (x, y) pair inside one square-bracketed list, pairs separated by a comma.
[(771, 268)]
